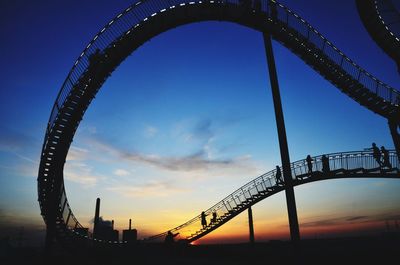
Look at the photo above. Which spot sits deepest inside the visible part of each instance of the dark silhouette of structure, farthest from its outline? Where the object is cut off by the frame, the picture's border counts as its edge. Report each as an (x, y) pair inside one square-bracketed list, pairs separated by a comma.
[(130, 235), (251, 226), (96, 218), (103, 230), (146, 19), (381, 19)]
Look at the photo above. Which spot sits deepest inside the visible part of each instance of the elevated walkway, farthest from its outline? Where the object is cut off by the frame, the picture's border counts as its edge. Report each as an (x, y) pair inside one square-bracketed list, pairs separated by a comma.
[(341, 165), (146, 19)]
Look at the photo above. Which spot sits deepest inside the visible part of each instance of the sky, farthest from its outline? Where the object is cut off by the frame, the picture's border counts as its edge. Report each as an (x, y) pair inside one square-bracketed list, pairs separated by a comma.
[(184, 121)]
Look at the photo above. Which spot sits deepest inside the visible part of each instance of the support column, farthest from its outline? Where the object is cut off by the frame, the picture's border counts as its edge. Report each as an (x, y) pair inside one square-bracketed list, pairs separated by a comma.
[(283, 145), (394, 130), (251, 228)]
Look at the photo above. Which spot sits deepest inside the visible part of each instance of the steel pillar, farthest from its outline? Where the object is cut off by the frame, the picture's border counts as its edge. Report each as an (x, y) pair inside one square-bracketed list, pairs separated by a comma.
[(50, 235), (394, 127), (251, 227), (283, 145)]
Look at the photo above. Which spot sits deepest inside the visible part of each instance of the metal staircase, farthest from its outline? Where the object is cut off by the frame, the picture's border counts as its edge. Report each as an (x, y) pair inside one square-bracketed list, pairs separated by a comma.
[(341, 165), (146, 19)]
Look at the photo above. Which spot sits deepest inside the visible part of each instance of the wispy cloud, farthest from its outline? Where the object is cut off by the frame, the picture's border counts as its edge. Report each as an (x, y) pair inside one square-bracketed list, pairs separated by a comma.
[(149, 189), (192, 162), (121, 172), (342, 220), (77, 154), (18, 144), (80, 173), (150, 131), (13, 141)]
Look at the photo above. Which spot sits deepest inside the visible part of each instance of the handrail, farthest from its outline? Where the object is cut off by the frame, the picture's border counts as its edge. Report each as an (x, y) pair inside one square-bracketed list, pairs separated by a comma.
[(141, 11), (117, 27), (369, 81), (347, 161)]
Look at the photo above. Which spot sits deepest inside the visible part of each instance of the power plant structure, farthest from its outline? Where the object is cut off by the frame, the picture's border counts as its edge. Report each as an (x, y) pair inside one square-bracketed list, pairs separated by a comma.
[(129, 235), (103, 230)]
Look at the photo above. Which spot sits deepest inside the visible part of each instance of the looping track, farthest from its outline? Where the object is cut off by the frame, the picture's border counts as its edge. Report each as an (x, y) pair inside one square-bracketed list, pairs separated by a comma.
[(146, 19)]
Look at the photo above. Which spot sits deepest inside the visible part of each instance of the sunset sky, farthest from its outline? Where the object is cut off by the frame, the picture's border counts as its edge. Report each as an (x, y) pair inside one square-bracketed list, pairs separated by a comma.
[(186, 120)]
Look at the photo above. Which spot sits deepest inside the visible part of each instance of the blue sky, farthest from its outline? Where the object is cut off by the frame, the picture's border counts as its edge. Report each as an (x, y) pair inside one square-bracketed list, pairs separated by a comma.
[(185, 120)]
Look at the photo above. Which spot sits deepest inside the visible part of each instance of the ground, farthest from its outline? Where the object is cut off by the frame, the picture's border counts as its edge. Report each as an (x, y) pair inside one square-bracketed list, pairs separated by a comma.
[(363, 250)]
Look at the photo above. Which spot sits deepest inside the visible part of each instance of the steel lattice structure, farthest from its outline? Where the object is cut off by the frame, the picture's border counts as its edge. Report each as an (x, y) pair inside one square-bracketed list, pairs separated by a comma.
[(145, 19)]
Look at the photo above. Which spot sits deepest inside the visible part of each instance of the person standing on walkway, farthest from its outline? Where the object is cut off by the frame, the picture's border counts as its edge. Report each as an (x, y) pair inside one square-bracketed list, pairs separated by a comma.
[(278, 175), (376, 154), (309, 163), (325, 164), (386, 161), (203, 219)]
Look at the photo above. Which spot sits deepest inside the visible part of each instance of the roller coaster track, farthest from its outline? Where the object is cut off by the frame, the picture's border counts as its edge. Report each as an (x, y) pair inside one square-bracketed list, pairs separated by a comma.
[(382, 21), (146, 19)]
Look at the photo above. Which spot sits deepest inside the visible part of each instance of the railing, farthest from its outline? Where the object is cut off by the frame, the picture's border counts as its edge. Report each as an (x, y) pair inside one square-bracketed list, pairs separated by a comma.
[(141, 11), (311, 35), (340, 164), (389, 16)]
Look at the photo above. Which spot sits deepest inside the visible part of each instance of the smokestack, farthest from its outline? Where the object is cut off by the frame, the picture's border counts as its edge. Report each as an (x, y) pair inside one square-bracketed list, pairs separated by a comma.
[(96, 217), (130, 224), (112, 224)]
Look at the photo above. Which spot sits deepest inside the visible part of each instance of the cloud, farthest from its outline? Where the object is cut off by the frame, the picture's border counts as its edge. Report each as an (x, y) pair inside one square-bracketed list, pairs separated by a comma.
[(355, 218), (121, 172), (149, 189), (13, 141), (18, 144), (193, 162), (203, 130), (350, 219), (77, 154), (80, 173), (150, 131)]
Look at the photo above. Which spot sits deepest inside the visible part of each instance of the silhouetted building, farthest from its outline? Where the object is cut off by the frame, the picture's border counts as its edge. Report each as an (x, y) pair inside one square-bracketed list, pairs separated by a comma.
[(103, 229), (129, 235)]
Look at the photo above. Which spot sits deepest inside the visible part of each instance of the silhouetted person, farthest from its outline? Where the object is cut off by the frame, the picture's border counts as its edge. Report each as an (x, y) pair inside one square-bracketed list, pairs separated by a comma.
[(278, 175), (169, 238), (386, 161), (325, 164), (376, 154), (309, 163), (203, 219), (214, 218)]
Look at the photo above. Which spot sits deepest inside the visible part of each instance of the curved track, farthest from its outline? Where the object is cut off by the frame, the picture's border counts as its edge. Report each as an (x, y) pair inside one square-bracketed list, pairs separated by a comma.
[(382, 21), (146, 19)]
